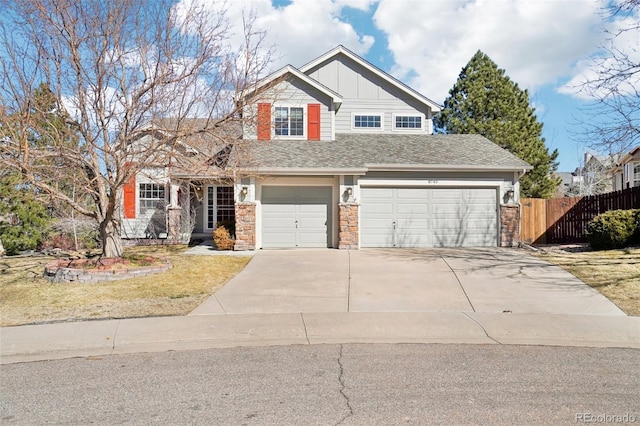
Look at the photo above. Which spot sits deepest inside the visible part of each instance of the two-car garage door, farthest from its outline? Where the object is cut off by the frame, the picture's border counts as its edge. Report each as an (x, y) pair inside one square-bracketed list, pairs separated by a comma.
[(428, 217)]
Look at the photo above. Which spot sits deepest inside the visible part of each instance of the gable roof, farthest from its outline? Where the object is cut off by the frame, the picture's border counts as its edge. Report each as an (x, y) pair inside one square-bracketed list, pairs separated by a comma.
[(341, 50), (358, 154), (288, 69), (629, 156)]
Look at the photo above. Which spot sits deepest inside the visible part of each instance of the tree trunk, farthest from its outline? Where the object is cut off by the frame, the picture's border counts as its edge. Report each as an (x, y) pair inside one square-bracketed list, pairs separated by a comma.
[(111, 238), (1, 249)]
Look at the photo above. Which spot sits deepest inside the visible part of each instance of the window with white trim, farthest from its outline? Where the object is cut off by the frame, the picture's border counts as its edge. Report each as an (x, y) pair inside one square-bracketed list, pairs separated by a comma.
[(636, 175), (289, 121), (407, 122), (367, 121), (220, 205), (151, 196)]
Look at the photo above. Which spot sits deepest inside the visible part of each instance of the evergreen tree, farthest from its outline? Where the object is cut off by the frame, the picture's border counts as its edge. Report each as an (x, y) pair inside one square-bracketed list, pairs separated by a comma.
[(23, 219), (485, 101)]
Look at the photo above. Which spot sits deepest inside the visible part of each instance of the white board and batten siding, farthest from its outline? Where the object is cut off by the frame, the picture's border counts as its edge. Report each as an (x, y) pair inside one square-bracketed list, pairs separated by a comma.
[(366, 93)]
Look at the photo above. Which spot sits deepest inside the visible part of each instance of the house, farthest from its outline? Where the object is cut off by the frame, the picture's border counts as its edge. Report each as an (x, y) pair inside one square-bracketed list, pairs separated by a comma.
[(340, 154), (626, 173), (594, 177)]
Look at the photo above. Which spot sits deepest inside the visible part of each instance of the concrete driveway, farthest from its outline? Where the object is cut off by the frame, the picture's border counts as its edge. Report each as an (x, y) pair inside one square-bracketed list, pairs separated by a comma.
[(489, 280)]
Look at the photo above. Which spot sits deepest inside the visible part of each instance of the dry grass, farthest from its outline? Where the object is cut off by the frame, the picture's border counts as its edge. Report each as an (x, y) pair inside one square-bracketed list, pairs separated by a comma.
[(27, 298), (614, 273)]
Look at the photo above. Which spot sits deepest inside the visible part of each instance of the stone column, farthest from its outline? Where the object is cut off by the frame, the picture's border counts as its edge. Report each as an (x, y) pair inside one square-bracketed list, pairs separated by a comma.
[(509, 225), (245, 227), (348, 237), (173, 224)]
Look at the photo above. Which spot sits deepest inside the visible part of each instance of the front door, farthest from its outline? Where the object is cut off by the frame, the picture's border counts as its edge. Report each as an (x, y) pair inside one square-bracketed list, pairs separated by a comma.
[(220, 206)]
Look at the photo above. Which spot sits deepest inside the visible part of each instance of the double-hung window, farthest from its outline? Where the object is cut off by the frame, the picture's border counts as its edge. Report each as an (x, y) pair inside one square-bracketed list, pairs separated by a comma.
[(636, 175), (289, 121), (151, 196)]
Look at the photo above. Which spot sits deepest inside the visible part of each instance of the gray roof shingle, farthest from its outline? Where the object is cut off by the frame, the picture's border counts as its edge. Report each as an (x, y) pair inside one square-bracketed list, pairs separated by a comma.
[(379, 151)]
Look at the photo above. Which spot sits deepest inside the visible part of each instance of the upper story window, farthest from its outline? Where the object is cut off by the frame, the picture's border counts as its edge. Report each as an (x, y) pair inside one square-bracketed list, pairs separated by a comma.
[(151, 196), (636, 175), (289, 121), (367, 121), (407, 122)]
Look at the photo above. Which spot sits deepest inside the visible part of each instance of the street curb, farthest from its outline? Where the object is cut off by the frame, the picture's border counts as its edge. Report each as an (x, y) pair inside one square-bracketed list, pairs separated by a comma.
[(102, 338)]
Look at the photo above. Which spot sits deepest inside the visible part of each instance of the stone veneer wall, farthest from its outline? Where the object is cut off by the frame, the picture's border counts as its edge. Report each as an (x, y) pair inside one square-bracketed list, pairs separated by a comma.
[(56, 273), (348, 237), (509, 225), (245, 226), (173, 227)]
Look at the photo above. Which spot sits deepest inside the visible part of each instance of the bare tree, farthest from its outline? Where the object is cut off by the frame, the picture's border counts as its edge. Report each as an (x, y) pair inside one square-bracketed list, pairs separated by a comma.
[(593, 176), (613, 125), (114, 67)]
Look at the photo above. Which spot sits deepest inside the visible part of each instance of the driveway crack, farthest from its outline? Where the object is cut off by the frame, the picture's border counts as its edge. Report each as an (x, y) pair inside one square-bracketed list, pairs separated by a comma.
[(219, 304), (342, 388), (348, 280), (304, 325), (115, 334), (482, 327), (459, 282)]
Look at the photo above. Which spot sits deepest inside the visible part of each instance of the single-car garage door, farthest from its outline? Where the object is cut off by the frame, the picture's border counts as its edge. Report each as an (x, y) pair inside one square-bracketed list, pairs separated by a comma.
[(296, 216), (428, 217)]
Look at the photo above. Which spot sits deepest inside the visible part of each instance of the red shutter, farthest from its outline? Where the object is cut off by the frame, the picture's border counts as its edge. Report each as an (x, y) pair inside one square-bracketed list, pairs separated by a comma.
[(264, 122), (313, 122), (130, 198)]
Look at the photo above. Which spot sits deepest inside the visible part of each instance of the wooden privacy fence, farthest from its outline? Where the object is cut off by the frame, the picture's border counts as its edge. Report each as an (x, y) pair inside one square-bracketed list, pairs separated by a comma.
[(564, 220)]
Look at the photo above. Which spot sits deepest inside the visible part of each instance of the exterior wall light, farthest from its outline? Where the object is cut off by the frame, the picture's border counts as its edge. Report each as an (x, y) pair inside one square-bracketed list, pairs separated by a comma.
[(244, 191), (510, 194), (349, 191)]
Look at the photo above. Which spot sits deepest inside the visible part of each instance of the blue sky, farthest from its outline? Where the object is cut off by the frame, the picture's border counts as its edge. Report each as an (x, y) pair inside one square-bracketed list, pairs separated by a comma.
[(542, 44)]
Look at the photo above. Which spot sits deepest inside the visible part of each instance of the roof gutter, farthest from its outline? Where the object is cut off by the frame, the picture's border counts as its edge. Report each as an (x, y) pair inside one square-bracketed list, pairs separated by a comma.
[(443, 168), (306, 171)]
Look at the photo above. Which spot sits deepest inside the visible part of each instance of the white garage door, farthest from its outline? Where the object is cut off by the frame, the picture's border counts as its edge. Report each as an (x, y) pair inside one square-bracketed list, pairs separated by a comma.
[(428, 217), (296, 216)]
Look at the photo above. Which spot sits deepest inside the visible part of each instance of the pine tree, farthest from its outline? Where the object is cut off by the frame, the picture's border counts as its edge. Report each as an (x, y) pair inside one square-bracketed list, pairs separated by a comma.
[(485, 101), (23, 218)]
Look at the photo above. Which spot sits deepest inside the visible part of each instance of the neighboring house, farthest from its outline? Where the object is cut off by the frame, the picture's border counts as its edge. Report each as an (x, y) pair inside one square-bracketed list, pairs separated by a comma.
[(570, 181), (594, 177), (626, 174), (340, 154)]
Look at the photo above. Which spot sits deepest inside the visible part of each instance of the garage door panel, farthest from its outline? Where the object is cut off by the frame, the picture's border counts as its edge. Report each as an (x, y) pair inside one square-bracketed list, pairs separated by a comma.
[(296, 216), (428, 217)]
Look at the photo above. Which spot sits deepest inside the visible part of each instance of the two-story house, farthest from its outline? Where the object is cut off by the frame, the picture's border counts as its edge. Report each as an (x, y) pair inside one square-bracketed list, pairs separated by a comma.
[(626, 174), (341, 154)]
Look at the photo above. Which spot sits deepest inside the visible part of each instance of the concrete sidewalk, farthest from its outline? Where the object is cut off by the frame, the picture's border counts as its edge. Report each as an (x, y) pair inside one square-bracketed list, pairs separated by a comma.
[(285, 297), (101, 338)]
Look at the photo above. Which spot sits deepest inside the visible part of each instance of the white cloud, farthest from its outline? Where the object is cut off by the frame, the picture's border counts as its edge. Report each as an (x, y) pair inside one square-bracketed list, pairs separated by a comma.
[(619, 54), (536, 42), (302, 30)]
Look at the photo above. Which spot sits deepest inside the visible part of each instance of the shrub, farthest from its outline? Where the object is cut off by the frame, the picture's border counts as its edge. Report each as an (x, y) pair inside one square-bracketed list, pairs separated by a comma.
[(229, 225), (613, 229), (24, 218), (57, 241), (222, 239)]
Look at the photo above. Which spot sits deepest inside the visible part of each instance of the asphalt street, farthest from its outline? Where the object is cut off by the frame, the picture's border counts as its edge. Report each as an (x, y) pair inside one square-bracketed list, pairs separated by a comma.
[(350, 384)]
